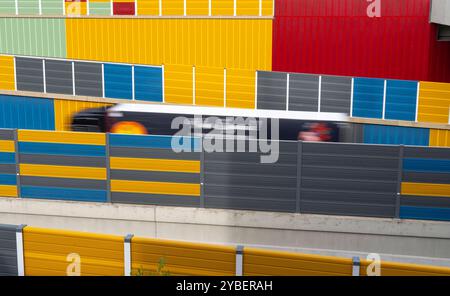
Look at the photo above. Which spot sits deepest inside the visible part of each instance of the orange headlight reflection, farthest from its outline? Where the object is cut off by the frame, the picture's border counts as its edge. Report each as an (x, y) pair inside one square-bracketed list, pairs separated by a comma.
[(129, 127)]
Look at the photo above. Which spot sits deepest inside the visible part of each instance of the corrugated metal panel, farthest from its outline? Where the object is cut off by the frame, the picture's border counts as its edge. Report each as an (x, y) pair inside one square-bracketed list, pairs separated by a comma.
[(303, 92), (123, 8), (148, 7), (240, 181), (240, 88), (88, 79), (209, 86), (247, 7), (26, 113), (224, 43), (28, 7), (434, 102), (148, 84), (349, 179), (145, 170), (173, 7), (99, 8), (178, 84), (336, 94), (30, 74), (259, 262), (197, 7), (8, 7), (51, 7), (58, 77), (182, 258), (271, 91), (401, 99), (405, 269), (8, 250), (396, 135), (222, 7), (33, 37), (7, 73), (440, 138), (338, 38), (65, 109), (368, 97), (100, 254), (118, 81)]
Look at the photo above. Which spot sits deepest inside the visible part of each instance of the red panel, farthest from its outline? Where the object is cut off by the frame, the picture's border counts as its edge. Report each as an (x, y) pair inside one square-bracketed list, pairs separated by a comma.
[(337, 37), (123, 8)]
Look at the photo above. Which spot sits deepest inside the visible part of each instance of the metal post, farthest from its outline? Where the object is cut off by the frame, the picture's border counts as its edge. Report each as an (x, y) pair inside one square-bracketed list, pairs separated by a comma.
[(73, 77), (19, 247), (127, 254), (260, 7), (351, 97), (16, 144), (417, 101), (225, 87), (108, 168), (202, 175), (356, 270), (17, 6), (256, 89), (160, 7), (133, 90), (193, 85), (239, 260), (234, 8), (399, 181), (299, 176), (319, 95), (288, 79), (15, 73), (383, 116), (43, 76), (103, 80)]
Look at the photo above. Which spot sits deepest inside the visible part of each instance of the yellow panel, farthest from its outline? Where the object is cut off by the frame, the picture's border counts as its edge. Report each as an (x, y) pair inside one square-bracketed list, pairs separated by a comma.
[(46, 252), (155, 187), (148, 7), (76, 8), (8, 191), (182, 258), (265, 262), (406, 269), (222, 7), (100, 1), (209, 86), (7, 146), (247, 7), (267, 7), (178, 84), (7, 73), (197, 7), (222, 43), (425, 189), (65, 109), (55, 171), (434, 102), (62, 137), (440, 138), (172, 7), (161, 165), (240, 88)]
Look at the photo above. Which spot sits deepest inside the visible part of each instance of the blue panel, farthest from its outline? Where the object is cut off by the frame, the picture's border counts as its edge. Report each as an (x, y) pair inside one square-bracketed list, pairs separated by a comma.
[(26, 113), (7, 157), (63, 193), (148, 84), (368, 96), (6, 179), (118, 83), (426, 165), (151, 141), (424, 213), (396, 135), (61, 149), (401, 99)]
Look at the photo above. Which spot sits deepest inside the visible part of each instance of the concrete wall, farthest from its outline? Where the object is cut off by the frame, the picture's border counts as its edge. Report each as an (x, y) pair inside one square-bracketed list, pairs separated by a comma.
[(440, 12), (424, 242)]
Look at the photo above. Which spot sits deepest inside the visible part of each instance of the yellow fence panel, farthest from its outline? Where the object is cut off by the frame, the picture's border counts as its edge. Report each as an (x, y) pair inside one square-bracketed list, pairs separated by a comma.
[(56, 252), (178, 84), (154, 164), (267, 7), (65, 109), (439, 138), (406, 269), (181, 258), (61, 137), (7, 146), (8, 190), (148, 7), (259, 262), (209, 86), (434, 102), (60, 171), (247, 7), (197, 7), (169, 188), (240, 88), (76, 8), (222, 7), (7, 73), (173, 7), (425, 189)]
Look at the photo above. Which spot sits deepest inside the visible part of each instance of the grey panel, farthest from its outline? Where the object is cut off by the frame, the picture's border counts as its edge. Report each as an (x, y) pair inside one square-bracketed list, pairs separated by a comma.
[(240, 181), (155, 199), (336, 94), (8, 251), (58, 77), (303, 92), (425, 201), (6, 134), (7, 168), (29, 73), (155, 176), (88, 79), (349, 179), (87, 161), (271, 90), (63, 182), (152, 153), (427, 152), (417, 177)]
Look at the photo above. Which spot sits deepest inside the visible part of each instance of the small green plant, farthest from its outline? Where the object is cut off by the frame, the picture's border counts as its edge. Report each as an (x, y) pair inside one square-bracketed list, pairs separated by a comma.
[(160, 270)]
